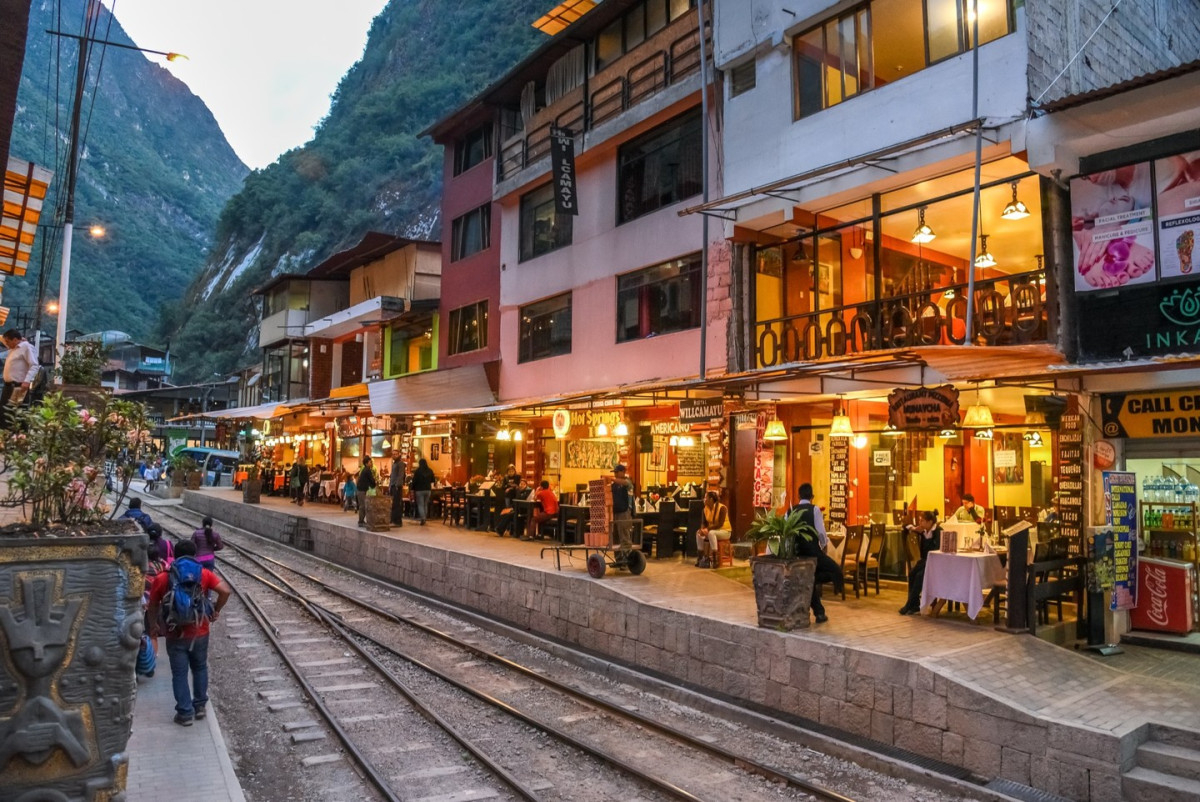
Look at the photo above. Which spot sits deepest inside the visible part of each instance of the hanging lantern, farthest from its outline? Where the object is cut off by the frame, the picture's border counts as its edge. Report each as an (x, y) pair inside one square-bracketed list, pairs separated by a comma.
[(775, 431)]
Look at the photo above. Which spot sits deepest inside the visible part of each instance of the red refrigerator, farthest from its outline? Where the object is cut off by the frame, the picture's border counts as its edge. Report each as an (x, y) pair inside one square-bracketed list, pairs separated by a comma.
[(1164, 593)]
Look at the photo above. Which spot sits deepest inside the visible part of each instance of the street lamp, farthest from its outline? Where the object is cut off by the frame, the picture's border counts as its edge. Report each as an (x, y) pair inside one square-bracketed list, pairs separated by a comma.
[(64, 280)]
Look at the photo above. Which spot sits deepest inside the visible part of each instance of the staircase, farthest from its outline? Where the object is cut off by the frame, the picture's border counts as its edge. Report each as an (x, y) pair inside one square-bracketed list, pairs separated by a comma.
[(1168, 767), (907, 455)]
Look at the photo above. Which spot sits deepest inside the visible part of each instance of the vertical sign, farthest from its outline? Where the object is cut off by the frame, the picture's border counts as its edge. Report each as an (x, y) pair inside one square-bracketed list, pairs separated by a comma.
[(562, 166), (839, 478), (1070, 474), (764, 461), (1120, 513)]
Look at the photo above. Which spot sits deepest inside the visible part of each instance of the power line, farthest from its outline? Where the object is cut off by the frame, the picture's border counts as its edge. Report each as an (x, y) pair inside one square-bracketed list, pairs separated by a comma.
[(1078, 53)]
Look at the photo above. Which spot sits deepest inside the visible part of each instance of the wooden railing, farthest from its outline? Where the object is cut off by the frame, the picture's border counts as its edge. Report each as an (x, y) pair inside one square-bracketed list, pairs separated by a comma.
[(1008, 310)]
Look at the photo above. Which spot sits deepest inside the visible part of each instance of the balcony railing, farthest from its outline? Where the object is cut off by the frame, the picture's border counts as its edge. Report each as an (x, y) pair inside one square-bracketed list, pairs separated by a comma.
[(644, 79), (1008, 310)]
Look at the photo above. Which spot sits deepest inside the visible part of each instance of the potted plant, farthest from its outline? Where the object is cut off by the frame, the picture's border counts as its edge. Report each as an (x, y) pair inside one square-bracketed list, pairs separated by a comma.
[(79, 370), (252, 484), (783, 580), (71, 585)]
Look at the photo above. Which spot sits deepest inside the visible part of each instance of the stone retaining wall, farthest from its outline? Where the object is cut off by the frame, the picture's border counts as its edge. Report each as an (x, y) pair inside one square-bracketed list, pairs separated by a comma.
[(888, 699)]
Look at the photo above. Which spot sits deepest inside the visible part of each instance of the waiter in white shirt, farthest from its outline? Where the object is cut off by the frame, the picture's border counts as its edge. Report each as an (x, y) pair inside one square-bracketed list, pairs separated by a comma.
[(20, 370)]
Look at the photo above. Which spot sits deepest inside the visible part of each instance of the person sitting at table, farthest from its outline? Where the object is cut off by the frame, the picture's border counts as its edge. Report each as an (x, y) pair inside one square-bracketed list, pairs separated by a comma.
[(504, 524), (930, 535), (509, 485), (968, 512), (714, 528), (546, 509)]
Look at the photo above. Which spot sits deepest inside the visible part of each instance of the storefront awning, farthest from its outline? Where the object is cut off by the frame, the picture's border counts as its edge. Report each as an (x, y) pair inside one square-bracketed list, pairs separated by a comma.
[(438, 392), (370, 312), (25, 187), (261, 412)]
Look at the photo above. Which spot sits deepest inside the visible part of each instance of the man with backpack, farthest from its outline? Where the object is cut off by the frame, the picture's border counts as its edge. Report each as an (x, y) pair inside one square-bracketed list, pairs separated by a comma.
[(136, 513), (179, 600)]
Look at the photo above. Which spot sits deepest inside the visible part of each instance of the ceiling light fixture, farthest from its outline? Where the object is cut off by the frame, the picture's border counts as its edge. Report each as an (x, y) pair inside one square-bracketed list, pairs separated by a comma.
[(517, 436), (1015, 210), (775, 431), (622, 430), (924, 233), (602, 430), (984, 434), (842, 427), (984, 259), (891, 431), (979, 415), (947, 434)]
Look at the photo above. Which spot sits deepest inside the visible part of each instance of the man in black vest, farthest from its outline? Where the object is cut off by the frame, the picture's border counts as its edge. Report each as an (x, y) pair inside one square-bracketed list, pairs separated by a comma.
[(827, 569)]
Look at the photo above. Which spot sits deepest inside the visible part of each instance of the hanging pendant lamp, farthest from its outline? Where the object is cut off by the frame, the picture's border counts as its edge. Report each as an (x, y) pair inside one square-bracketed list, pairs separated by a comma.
[(1015, 210), (775, 431), (924, 233), (984, 259)]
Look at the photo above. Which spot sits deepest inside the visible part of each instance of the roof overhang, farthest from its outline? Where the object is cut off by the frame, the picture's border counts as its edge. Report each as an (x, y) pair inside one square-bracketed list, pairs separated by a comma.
[(381, 309), (25, 187), (438, 392)]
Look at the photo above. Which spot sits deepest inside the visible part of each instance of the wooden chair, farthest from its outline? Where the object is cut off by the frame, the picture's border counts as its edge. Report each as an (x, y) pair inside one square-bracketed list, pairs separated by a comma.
[(454, 510), (871, 560), (850, 549), (664, 533), (724, 555)]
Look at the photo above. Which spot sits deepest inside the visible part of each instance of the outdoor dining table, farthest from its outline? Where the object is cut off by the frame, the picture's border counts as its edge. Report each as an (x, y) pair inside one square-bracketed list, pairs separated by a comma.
[(482, 505), (329, 489), (963, 577), (522, 509)]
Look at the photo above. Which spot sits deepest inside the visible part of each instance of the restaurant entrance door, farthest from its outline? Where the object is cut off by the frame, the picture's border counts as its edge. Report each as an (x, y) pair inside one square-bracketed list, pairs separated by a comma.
[(952, 473)]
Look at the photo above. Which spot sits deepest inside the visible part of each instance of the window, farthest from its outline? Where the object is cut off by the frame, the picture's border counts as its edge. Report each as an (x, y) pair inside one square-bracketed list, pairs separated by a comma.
[(659, 299), (471, 233), (468, 328), (410, 349), (659, 168), (882, 41), (742, 78), (472, 149), (546, 328), (639, 23), (542, 229)]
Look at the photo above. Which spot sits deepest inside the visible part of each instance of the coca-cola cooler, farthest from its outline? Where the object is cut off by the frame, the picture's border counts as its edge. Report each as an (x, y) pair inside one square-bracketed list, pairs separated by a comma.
[(1164, 596)]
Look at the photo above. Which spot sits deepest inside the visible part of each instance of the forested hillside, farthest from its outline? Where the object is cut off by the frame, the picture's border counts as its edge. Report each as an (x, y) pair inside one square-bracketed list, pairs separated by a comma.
[(156, 172), (366, 167)]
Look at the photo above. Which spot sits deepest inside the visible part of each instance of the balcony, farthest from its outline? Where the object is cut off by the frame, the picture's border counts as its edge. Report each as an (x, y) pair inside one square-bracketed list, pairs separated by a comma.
[(666, 60), (1009, 310), (283, 325)]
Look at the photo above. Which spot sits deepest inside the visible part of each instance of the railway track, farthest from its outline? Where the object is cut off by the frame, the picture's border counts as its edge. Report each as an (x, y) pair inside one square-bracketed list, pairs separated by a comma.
[(579, 727)]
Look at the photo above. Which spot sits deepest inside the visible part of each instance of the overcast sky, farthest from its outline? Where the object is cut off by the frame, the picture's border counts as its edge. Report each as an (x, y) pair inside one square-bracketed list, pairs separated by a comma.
[(266, 68)]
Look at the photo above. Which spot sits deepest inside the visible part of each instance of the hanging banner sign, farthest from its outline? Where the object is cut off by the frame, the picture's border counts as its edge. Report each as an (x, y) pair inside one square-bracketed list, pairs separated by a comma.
[(1150, 414), (562, 166), (1120, 513), (701, 410), (1070, 472), (839, 479), (924, 408)]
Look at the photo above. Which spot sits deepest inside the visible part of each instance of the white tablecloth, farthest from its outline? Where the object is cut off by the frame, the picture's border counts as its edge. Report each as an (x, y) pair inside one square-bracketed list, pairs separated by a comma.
[(961, 578), (330, 488)]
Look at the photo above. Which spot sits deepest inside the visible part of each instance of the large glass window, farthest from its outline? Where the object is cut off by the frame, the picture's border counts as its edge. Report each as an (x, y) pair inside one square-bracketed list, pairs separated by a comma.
[(471, 233), (660, 168), (473, 149), (468, 328), (659, 299), (642, 21), (881, 41), (410, 349), (546, 328), (542, 229)]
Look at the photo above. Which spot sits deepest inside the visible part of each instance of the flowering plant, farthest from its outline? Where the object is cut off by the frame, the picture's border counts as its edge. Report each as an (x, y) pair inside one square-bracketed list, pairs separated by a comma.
[(60, 457)]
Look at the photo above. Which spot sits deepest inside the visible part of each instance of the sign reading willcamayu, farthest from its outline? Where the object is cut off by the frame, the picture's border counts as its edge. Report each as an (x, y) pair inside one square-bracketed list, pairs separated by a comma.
[(701, 410), (1160, 414), (562, 167), (924, 407)]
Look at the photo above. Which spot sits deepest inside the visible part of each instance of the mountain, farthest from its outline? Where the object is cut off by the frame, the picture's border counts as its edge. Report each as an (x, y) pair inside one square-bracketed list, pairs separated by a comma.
[(156, 172), (366, 167)]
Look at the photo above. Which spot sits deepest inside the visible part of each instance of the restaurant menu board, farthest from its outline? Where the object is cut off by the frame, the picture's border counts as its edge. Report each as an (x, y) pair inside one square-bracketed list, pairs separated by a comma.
[(1177, 182), (839, 478), (1070, 474), (1120, 512), (1112, 228), (692, 461)]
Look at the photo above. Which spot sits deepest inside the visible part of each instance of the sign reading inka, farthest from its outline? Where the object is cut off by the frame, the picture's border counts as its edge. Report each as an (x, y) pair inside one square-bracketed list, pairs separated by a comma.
[(1155, 320), (924, 408), (1162, 414), (701, 410), (562, 167)]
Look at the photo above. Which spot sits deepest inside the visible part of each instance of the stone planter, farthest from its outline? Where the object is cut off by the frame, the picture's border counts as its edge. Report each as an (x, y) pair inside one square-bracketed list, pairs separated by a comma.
[(71, 618), (83, 394), (252, 491), (379, 513), (783, 591), (192, 481), (169, 490)]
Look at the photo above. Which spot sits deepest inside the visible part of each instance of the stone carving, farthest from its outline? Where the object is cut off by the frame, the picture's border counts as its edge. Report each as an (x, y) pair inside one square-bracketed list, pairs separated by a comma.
[(783, 591), (70, 623)]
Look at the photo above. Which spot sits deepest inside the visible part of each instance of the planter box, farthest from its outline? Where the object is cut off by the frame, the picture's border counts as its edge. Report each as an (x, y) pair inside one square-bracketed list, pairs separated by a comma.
[(70, 612), (783, 591), (252, 491), (379, 513)]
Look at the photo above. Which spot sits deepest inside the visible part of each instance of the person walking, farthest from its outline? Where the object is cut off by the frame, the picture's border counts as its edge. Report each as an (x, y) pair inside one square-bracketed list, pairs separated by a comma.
[(298, 476), (217, 468), (179, 598), (827, 569), (366, 483), (396, 481), (422, 485), (930, 535), (20, 372), (208, 543)]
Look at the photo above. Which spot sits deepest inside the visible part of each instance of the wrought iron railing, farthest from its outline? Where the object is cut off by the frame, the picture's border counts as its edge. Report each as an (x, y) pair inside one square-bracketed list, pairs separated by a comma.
[(650, 75), (1008, 310)]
